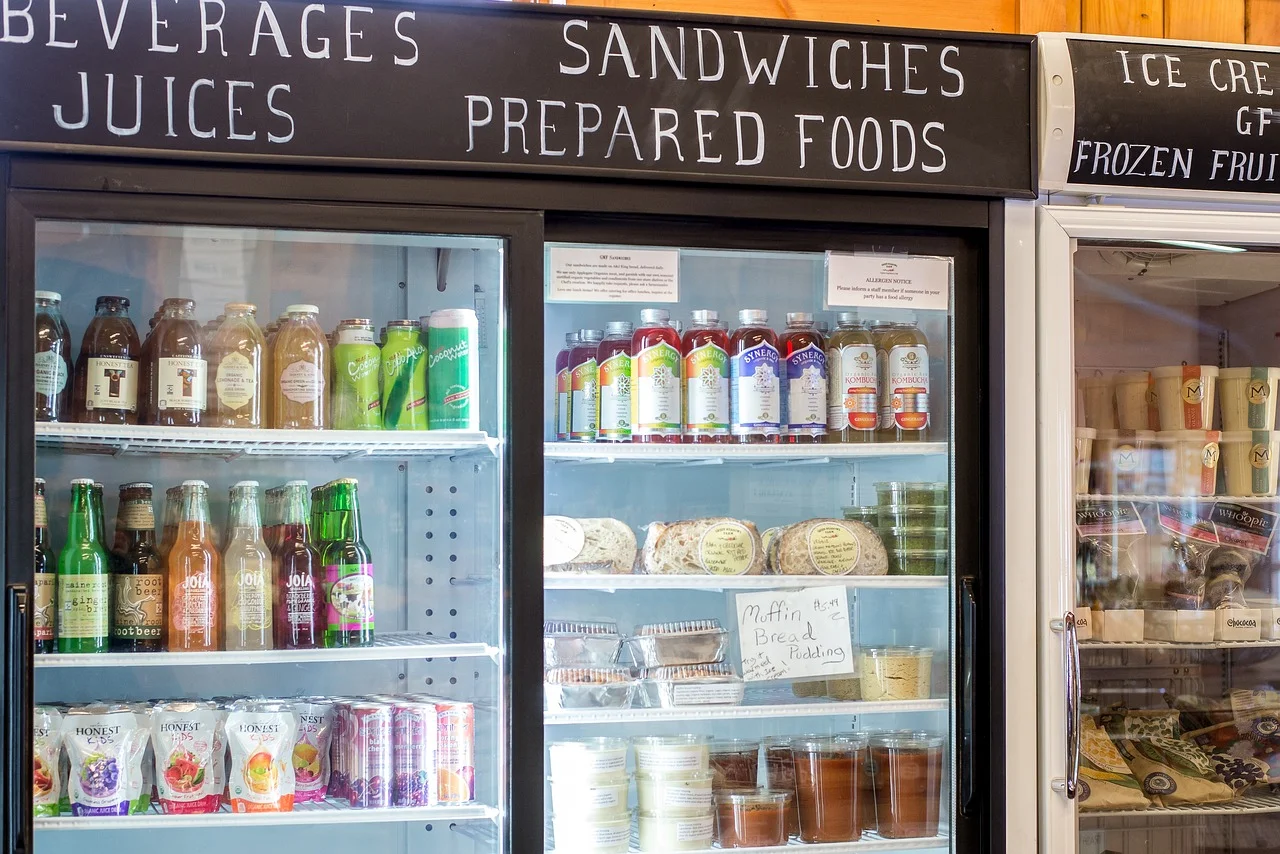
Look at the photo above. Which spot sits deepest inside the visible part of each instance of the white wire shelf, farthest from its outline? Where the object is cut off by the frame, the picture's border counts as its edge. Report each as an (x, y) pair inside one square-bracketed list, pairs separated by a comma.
[(325, 812), (388, 646), (582, 453), (1198, 499), (229, 444), (765, 703), (869, 842), (580, 581), (1102, 645), (1251, 803)]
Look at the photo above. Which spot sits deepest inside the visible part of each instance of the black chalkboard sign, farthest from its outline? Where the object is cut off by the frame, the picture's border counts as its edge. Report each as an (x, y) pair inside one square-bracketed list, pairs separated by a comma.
[(1176, 117), (472, 87)]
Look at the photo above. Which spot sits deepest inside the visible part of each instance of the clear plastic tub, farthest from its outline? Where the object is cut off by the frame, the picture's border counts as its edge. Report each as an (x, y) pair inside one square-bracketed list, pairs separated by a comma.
[(593, 798), (908, 784), (868, 514), (896, 672), (912, 516), (588, 757), (918, 561), (912, 493), (689, 792), (827, 771), (751, 818), (735, 762), (676, 832), (579, 835), (671, 754), (915, 539)]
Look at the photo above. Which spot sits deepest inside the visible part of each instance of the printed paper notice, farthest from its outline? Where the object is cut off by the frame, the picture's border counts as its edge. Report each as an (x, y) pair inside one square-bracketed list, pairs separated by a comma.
[(795, 633), (603, 274), (888, 281)]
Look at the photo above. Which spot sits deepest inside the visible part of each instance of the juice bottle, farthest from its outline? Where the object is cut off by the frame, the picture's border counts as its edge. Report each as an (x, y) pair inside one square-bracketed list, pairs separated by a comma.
[(300, 603), (46, 579), (106, 380), (84, 593), (195, 572), (300, 366), (138, 581), (404, 377), (753, 373), (907, 357), (178, 366), (705, 349), (348, 571), (248, 585), (357, 377), (53, 359), (880, 332), (613, 360), (655, 374), (804, 364), (146, 360), (237, 366), (169, 528), (584, 377), (853, 402), (563, 387)]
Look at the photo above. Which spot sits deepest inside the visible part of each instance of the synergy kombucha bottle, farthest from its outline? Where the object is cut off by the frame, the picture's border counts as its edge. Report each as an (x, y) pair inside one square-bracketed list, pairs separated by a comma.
[(613, 358), (106, 381), (53, 359), (655, 379), (853, 401), (237, 366), (584, 375), (753, 373), (804, 392), (178, 367), (248, 585), (907, 387), (563, 387), (300, 365), (705, 350), (195, 573)]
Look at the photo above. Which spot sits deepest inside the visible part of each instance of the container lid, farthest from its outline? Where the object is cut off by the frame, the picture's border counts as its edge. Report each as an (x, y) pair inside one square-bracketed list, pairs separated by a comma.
[(670, 740), (356, 321), (590, 336), (753, 317), (654, 315), (1176, 370), (570, 338), (199, 483), (245, 484), (40, 481), (898, 651), (881, 325), (123, 302), (592, 743), (302, 308), (50, 296), (735, 745), (82, 481), (618, 327), (850, 743), (592, 782), (915, 532), (798, 317), (1127, 377), (411, 324), (678, 816), (931, 554), (752, 797), (704, 775), (451, 317), (907, 740), (847, 318), (704, 316)]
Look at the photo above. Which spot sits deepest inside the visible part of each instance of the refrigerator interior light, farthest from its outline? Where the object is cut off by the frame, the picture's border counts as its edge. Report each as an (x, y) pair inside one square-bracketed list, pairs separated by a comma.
[(1196, 244)]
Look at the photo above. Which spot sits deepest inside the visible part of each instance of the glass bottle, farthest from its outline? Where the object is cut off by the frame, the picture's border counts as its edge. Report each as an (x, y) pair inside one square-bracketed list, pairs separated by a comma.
[(907, 385), (300, 366), (753, 375), (53, 359), (880, 332), (348, 571), (106, 380), (706, 376), (169, 529), (357, 377), (178, 367), (237, 365), (195, 619), (584, 376), (404, 377), (248, 584), (46, 578), (613, 360), (146, 369), (101, 518), (655, 379), (853, 400), (563, 387), (84, 575), (138, 578), (804, 391), (300, 616)]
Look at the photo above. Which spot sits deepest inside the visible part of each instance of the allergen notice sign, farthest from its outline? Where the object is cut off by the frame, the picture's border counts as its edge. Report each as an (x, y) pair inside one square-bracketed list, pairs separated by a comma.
[(888, 281), (795, 633)]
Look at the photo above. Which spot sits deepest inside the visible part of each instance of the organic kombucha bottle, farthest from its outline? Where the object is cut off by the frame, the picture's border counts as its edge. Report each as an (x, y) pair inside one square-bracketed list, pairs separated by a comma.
[(706, 377), (655, 379), (853, 399), (753, 372), (907, 388), (106, 382), (562, 384)]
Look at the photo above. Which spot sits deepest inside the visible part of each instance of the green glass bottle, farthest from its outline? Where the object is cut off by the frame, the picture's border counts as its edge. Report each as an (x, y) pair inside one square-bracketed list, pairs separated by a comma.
[(348, 571), (84, 577)]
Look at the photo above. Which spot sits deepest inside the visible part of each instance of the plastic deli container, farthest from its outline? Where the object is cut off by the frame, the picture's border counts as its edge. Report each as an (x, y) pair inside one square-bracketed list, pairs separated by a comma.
[(827, 771), (588, 758), (601, 797), (575, 644), (1135, 401), (1188, 461), (735, 763), (751, 818), (580, 835), (918, 494), (915, 539), (780, 776), (908, 784), (667, 754), (1084, 457), (918, 561), (1252, 461), (914, 516), (1184, 394), (896, 672), (675, 832), (689, 792), (868, 514)]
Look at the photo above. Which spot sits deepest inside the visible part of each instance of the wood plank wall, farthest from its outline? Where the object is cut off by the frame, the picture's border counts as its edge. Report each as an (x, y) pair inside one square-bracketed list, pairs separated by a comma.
[(1252, 21)]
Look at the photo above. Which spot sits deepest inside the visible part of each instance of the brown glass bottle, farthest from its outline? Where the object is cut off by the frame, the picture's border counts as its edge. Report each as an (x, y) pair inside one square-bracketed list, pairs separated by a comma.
[(106, 381), (53, 359), (853, 402), (178, 367), (906, 388), (145, 413), (138, 575)]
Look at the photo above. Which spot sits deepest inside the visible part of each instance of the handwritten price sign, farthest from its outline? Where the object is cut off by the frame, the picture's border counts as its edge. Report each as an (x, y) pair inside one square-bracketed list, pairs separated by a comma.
[(785, 635)]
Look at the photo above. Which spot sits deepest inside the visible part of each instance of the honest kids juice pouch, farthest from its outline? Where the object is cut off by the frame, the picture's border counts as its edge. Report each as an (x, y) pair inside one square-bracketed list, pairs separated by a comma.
[(46, 781), (182, 739), (99, 742), (261, 734), (311, 750), (141, 761)]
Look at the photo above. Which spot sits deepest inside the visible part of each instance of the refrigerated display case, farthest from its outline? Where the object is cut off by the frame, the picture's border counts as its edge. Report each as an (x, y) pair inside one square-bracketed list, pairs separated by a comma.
[(1156, 340)]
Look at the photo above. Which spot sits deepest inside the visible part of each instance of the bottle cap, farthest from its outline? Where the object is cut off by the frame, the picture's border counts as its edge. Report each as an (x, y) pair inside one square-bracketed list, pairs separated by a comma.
[(570, 338), (302, 308), (753, 317), (178, 302), (402, 324), (881, 324), (450, 317), (105, 301), (141, 484), (654, 315), (195, 483), (590, 336), (704, 316), (40, 481), (246, 484), (239, 306), (297, 483), (618, 327), (799, 317), (49, 296), (847, 318), (356, 321), (82, 481)]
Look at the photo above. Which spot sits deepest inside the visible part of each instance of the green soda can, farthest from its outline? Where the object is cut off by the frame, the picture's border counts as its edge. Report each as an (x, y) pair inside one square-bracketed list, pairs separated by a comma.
[(453, 369), (357, 372), (404, 377)]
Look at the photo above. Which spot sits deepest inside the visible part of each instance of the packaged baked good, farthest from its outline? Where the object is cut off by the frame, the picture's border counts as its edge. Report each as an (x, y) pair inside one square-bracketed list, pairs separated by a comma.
[(588, 688), (603, 546), (1256, 716), (690, 685), (1107, 573), (1106, 783), (684, 642), (714, 546), (568, 643), (1138, 724), (828, 547), (1227, 569), (1174, 772)]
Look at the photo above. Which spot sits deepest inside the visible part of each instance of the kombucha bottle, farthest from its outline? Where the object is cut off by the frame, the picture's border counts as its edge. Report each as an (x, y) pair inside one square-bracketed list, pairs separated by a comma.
[(195, 573), (53, 359), (237, 365), (655, 379), (853, 402), (613, 358), (248, 583), (300, 366), (907, 388), (562, 385), (753, 372), (178, 382), (880, 333), (706, 377), (106, 381), (584, 376), (804, 392)]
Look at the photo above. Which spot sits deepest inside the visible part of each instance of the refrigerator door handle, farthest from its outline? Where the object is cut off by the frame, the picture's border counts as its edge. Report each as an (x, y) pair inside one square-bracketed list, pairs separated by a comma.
[(17, 764), (968, 651), (1070, 784)]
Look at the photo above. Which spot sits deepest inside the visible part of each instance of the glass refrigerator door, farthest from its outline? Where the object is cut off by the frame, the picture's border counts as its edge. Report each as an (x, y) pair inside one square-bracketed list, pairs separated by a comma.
[(748, 638), (270, 511)]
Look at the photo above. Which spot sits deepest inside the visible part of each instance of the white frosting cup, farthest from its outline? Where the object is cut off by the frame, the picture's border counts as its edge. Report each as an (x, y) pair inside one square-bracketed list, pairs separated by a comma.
[(1084, 457), (1247, 397), (1189, 461), (1252, 461), (1135, 401), (1099, 402), (1122, 461), (1184, 395)]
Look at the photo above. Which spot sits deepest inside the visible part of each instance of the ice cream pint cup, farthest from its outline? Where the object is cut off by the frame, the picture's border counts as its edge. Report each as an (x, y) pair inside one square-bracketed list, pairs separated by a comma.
[(1185, 396), (1247, 397), (1252, 461)]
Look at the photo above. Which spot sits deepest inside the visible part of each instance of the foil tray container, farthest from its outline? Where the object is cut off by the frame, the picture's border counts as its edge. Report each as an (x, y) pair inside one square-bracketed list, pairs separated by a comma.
[(580, 644), (567, 688), (670, 644), (701, 691)]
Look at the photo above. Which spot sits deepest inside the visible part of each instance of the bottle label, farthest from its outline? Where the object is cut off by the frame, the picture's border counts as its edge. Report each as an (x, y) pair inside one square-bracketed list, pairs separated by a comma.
[(350, 596), (46, 585), (138, 607), (655, 399), (909, 387), (562, 404), (41, 512), (236, 381), (754, 374), (300, 601), (193, 607), (355, 335), (181, 384), (112, 384), (615, 398), (82, 605), (854, 388), (706, 371), (302, 382), (51, 373), (250, 605), (806, 398), (584, 406), (136, 515)]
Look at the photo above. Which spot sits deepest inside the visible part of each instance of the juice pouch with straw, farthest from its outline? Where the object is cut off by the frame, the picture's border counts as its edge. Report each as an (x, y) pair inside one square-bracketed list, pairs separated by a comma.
[(183, 742), (46, 781), (142, 761), (98, 742), (311, 750), (261, 734), (218, 770)]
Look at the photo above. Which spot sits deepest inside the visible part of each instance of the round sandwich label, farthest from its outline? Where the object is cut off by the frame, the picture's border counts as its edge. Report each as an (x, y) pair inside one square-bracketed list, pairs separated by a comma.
[(727, 548), (562, 540), (833, 549)]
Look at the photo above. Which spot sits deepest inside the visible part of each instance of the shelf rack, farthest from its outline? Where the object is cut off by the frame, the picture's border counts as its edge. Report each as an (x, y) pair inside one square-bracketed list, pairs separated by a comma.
[(1104, 645), (1199, 499), (768, 703), (325, 812), (579, 581), (869, 842), (586, 453), (388, 646), (1252, 803), (230, 444)]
